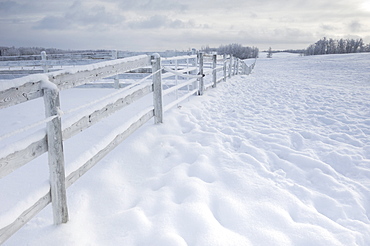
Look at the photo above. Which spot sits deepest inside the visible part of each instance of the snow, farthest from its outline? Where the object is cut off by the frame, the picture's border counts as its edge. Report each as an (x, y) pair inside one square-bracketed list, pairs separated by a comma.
[(279, 157)]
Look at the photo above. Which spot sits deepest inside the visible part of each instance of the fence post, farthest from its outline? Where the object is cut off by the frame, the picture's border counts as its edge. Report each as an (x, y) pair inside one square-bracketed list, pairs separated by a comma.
[(56, 156), (176, 79), (157, 88), (224, 57), (194, 62), (234, 66), (116, 77), (201, 81), (237, 66), (230, 65), (214, 72), (44, 62)]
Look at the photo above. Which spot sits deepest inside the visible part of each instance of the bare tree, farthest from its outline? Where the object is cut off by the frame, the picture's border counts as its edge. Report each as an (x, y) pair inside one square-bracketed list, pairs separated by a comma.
[(269, 53)]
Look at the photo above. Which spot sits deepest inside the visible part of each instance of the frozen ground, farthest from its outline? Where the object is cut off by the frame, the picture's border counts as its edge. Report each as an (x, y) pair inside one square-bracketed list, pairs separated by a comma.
[(279, 157)]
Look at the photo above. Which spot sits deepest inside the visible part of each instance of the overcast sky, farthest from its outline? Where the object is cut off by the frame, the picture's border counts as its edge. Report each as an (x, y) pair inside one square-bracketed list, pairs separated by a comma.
[(156, 25)]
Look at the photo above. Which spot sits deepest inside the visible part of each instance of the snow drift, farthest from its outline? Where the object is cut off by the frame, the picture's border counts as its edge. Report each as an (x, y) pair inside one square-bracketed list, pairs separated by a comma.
[(279, 157)]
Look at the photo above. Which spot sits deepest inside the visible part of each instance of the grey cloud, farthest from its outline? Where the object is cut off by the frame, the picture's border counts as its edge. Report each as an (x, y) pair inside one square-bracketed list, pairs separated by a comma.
[(8, 6), (53, 23), (328, 27), (22, 8), (288, 34), (150, 5), (354, 26), (155, 21), (144, 24), (93, 15), (161, 21), (81, 16)]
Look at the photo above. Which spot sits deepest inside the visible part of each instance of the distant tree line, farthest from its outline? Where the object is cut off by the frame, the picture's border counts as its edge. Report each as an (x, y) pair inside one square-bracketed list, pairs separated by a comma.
[(298, 51), (237, 50), (24, 51), (20, 51), (341, 46)]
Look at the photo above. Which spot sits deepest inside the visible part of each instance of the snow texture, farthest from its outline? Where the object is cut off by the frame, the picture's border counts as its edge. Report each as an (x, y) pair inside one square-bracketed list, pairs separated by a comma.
[(279, 157)]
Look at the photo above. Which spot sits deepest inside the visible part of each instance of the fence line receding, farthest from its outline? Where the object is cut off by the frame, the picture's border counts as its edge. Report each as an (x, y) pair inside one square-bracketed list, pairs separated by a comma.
[(183, 76)]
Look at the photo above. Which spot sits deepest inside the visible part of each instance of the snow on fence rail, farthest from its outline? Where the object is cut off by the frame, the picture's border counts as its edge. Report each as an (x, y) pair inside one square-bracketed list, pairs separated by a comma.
[(194, 73)]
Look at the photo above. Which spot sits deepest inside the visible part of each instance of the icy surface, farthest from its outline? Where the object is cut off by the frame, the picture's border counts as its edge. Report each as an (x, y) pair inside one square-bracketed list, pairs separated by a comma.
[(279, 157)]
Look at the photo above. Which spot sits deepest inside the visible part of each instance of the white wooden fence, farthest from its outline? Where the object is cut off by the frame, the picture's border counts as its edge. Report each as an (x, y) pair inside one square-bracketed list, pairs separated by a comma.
[(195, 73)]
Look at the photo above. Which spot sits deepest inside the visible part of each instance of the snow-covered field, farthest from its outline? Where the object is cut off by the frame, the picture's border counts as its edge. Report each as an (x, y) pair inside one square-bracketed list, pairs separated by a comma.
[(279, 157)]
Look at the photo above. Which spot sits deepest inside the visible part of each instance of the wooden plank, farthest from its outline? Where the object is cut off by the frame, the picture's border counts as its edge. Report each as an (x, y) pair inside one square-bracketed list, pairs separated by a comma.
[(25, 63), (180, 72), (88, 120), (26, 216), (19, 94), (56, 157), (71, 178), (176, 87), (179, 58), (207, 86), (187, 95), (104, 69), (19, 158), (64, 80), (219, 69)]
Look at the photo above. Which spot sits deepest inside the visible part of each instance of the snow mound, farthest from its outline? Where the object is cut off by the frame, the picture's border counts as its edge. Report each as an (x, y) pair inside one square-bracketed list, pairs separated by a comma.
[(279, 157)]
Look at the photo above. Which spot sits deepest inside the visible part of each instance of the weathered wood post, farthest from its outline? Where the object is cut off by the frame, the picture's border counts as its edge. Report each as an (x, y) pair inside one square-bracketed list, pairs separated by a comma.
[(157, 88), (237, 66), (116, 77), (225, 62), (234, 66), (56, 156), (201, 81), (230, 65), (214, 72), (194, 62), (44, 62), (176, 78)]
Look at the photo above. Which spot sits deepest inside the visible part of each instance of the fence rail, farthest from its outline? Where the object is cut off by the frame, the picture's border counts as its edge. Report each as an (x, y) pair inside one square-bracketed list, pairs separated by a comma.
[(188, 73)]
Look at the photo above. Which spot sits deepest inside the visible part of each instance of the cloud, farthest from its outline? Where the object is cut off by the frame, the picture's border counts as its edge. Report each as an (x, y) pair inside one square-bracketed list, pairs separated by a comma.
[(156, 21), (81, 16), (8, 6), (328, 27), (166, 24), (151, 5), (355, 26), (53, 23), (162, 21)]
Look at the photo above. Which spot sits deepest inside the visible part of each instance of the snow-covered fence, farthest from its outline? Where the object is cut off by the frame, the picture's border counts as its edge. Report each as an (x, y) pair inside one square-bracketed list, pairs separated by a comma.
[(193, 75), (43, 63)]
